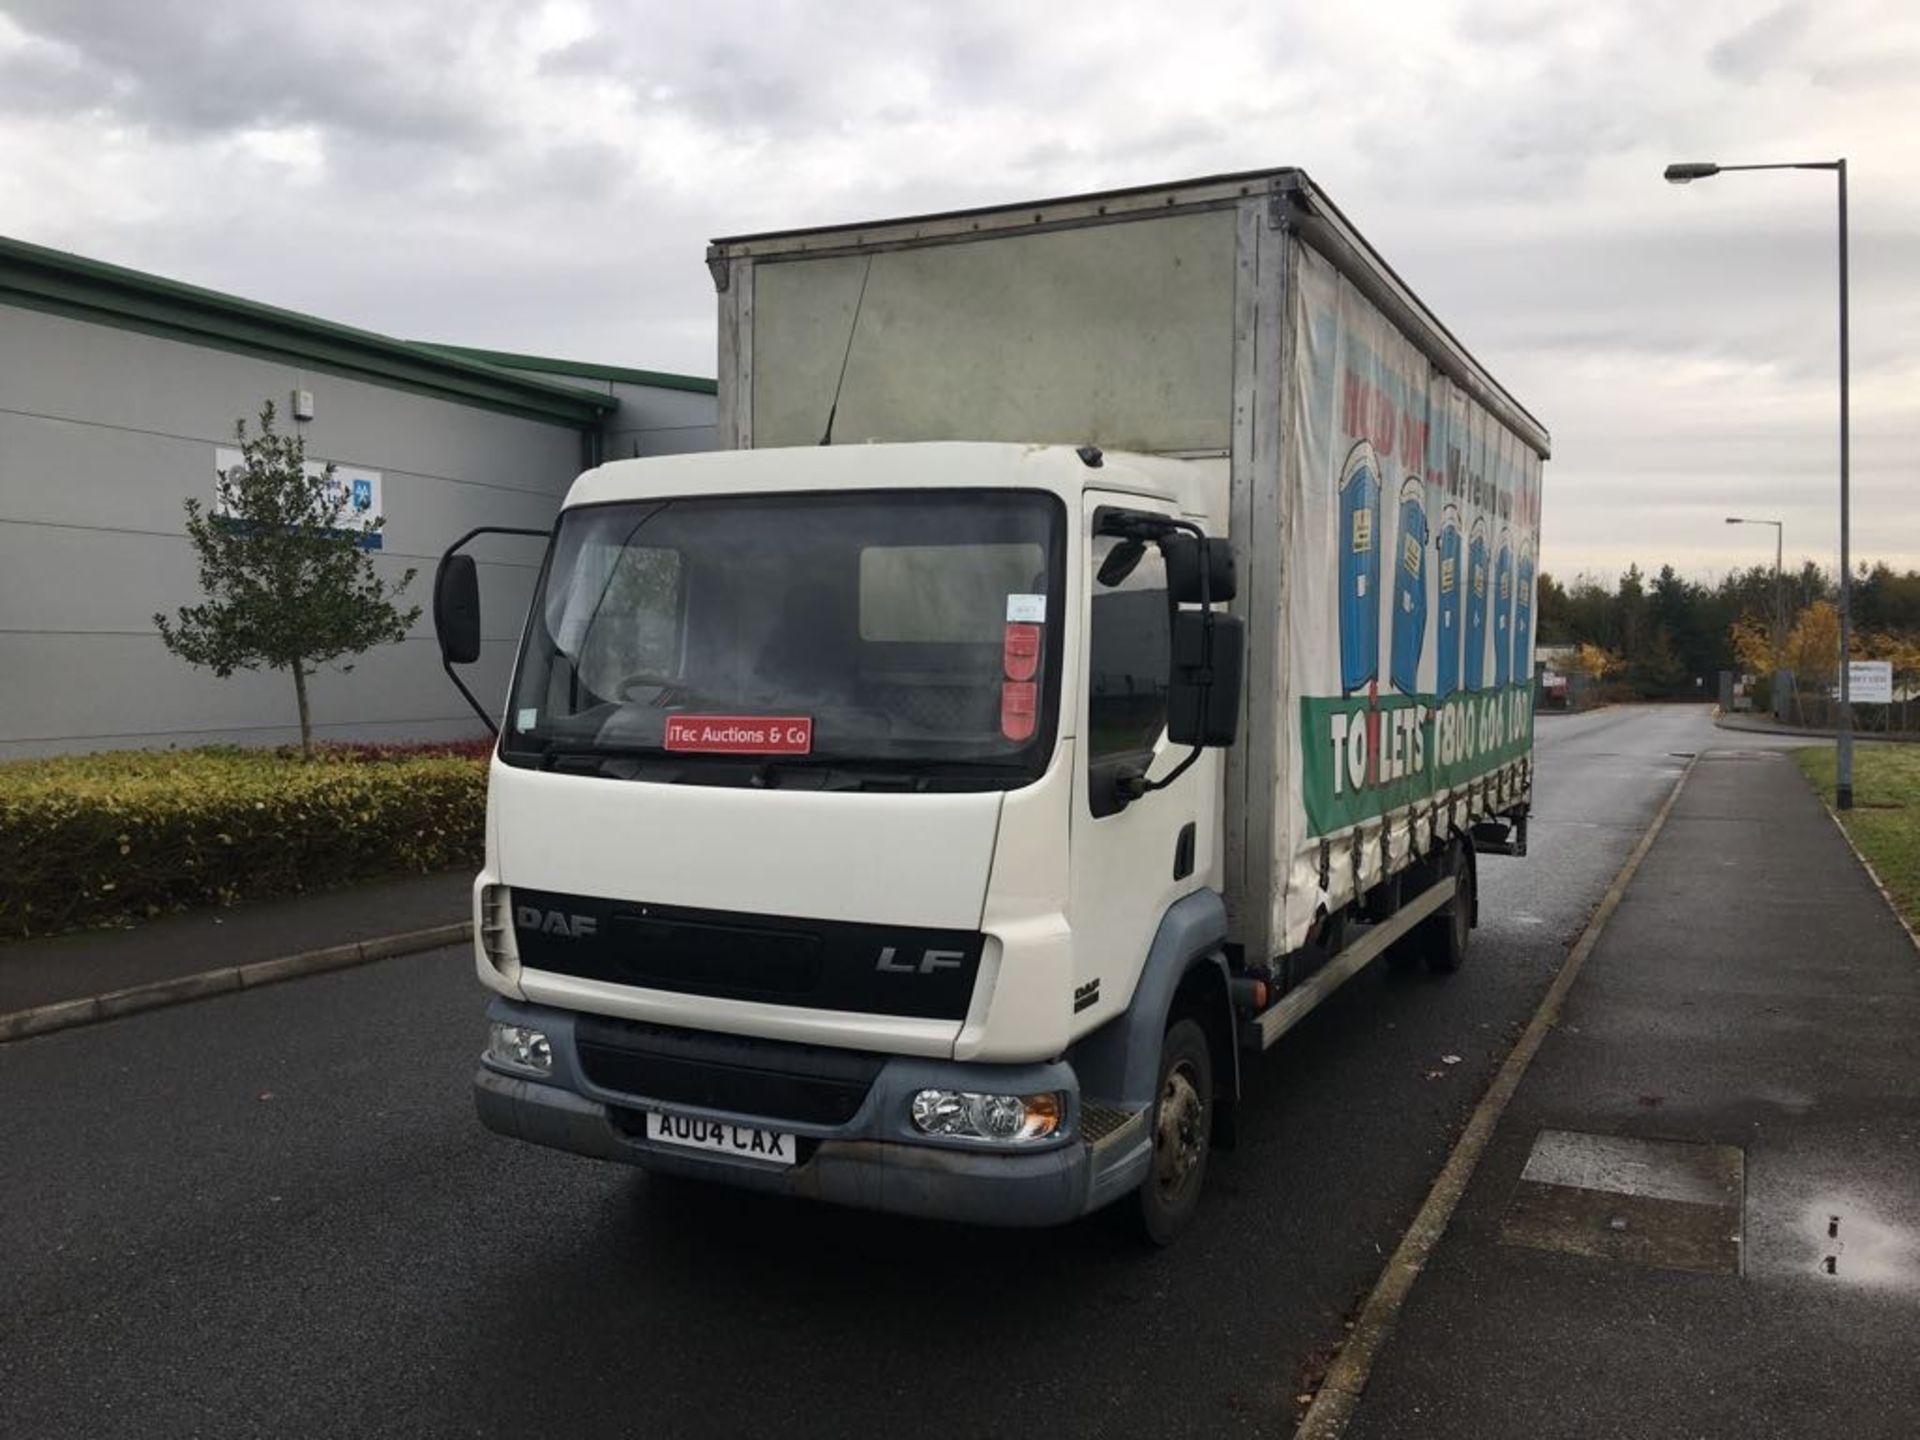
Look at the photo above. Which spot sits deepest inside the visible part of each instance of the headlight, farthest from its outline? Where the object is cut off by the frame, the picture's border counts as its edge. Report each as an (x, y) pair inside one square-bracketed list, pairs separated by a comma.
[(1009, 1119), (517, 1047)]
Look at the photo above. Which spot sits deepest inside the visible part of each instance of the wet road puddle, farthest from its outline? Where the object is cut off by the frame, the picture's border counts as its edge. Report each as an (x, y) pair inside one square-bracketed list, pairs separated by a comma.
[(1669, 1204), (1857, 1247)]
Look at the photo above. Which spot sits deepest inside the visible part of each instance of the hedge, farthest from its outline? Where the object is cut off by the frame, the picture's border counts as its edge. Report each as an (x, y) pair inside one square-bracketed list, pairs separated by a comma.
[(92, 840)]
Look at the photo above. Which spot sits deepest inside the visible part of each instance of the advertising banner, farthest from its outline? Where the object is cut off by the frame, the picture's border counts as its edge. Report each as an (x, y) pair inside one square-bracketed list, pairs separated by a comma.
[(1410, 681)]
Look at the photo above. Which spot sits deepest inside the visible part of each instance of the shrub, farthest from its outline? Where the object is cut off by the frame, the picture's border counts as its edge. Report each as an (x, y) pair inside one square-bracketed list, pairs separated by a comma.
[(93, 840)]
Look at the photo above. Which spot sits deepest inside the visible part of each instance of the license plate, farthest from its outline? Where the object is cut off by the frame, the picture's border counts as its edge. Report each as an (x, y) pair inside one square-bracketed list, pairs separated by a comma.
[(769, 1146)]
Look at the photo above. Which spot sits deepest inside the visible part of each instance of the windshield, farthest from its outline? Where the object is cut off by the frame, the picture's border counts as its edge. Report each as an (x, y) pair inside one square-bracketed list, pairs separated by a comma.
[(747, 638)]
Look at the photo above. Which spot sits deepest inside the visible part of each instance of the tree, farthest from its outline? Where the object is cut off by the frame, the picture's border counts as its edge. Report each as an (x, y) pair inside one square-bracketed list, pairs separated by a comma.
[(290, 585), (1554, 625), (1813, 645), (1753, 645), (1596, 662)]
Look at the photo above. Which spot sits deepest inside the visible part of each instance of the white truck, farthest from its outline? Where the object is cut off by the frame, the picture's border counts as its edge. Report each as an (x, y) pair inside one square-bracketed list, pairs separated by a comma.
[(1108, 628)]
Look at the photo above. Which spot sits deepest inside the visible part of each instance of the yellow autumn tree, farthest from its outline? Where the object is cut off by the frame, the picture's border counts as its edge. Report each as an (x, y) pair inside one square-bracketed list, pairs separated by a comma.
[(1813, 645), (1753, 647), (1596, 662)]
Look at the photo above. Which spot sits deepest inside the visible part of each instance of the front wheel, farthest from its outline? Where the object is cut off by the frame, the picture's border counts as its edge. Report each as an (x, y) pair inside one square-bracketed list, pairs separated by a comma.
[(1182, 1134)]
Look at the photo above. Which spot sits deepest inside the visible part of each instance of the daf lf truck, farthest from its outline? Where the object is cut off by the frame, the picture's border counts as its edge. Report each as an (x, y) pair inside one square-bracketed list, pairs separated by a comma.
[(1106, 628)]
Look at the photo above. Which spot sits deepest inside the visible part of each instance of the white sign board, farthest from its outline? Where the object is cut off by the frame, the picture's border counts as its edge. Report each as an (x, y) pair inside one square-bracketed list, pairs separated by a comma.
[(357, 491), (1870, 682)]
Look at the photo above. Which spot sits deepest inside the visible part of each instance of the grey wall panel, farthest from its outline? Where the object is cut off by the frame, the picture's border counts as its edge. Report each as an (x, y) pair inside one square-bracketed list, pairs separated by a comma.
[(648, 407), (684, 419), (129, 689), (69, 473), (56, 366), (59, 579), (455, 728), (652, 421), (637, 444), (105, 432)]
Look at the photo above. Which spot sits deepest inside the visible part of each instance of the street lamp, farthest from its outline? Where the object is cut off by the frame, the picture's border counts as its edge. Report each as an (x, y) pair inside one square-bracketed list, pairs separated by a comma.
[(1779, 609), (1683, 174)]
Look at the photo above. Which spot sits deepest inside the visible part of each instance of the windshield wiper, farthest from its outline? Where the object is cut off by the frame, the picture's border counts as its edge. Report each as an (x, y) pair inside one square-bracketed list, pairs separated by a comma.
[(590, 759), (880, 772), (799, 772)]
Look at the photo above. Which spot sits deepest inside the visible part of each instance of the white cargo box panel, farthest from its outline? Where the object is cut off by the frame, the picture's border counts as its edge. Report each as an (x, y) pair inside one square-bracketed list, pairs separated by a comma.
[(1238, 316)]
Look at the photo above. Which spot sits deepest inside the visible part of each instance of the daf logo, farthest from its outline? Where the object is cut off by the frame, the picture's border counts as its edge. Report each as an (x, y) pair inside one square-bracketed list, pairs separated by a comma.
[(555, 922), (930, 961)]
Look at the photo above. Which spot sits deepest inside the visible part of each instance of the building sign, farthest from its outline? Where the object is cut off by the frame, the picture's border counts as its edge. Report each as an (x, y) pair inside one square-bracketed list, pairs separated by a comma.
[(357, 493), (1870, 682)]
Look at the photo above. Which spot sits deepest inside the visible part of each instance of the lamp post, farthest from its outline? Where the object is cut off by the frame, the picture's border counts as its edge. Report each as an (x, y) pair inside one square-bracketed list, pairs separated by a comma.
[(1685, 173), (1779, 609)]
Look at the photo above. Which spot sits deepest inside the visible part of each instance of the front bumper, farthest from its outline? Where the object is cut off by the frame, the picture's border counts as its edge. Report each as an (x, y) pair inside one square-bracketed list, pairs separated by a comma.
[(874, 1161)]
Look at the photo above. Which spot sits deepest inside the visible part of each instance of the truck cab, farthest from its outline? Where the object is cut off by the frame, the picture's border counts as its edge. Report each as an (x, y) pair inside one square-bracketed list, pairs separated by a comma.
[(838, 839)]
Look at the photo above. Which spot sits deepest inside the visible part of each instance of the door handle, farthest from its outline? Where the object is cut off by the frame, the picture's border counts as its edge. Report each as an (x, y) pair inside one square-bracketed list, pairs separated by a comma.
[(1183, 852)]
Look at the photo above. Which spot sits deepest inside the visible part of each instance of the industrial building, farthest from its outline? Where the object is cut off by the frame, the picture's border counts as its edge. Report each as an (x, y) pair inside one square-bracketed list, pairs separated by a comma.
[(119, 389)]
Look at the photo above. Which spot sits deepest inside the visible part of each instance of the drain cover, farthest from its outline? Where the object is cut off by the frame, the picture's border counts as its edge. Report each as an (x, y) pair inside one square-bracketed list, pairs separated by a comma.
[(1670, 1204)]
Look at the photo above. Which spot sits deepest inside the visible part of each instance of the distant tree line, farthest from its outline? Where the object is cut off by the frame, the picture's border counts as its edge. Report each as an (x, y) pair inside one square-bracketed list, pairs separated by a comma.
[(1669, 638)]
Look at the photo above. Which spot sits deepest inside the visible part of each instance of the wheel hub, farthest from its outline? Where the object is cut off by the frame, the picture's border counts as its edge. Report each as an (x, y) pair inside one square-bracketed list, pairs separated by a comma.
[(1179, 1139)]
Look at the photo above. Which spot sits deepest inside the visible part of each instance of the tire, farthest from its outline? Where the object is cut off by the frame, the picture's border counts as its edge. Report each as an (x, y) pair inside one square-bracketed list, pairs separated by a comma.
[(1442, 938), (1182, 1129)]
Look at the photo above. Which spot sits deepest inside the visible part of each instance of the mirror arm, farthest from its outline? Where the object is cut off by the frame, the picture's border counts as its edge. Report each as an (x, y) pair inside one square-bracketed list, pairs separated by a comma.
[(493, 726), (1138, 785)]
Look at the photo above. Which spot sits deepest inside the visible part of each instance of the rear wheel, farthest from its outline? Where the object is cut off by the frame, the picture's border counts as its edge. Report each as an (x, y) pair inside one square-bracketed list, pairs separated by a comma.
[(1182, 1128), (1442, 937)]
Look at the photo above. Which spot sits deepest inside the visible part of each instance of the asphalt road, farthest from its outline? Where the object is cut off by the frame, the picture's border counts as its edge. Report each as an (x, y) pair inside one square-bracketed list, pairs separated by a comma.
[(274, 1213)]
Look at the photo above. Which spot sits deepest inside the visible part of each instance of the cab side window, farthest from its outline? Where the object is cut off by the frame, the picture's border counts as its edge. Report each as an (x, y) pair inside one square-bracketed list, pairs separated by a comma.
[(1128, 642)]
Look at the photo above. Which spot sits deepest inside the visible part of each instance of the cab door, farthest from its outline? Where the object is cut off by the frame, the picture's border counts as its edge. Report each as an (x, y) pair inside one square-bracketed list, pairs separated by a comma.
[(1130, 862)]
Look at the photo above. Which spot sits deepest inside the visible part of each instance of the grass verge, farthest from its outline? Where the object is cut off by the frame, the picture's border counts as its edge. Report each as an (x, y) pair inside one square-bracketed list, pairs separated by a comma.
[(1885, 819)]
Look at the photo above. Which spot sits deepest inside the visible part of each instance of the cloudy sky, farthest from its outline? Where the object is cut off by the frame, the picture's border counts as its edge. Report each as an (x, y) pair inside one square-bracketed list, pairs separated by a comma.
[(544, 177)]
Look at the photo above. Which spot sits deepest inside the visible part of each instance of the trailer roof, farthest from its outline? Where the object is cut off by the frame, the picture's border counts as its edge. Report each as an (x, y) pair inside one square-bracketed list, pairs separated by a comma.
[(1297, 203)]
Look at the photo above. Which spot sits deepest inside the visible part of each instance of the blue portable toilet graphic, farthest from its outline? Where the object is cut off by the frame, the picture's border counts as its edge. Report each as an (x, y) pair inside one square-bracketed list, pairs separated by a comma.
[(1359, 569), (1410, 587), (1502, 613), (1451, 585), (1476, 627), (1523, 615)]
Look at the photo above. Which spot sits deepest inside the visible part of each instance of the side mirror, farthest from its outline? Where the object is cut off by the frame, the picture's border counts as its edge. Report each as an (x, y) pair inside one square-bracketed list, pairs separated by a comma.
[(456, 609), (1191, 558), (1203, 695)]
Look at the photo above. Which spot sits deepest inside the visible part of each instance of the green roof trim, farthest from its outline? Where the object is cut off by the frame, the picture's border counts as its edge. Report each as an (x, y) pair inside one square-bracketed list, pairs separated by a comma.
[(66, 284), (550, 365)]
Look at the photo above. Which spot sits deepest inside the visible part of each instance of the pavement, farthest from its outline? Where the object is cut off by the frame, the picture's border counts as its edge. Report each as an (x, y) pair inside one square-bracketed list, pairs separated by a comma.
[(34, 973), (1700, 1214)]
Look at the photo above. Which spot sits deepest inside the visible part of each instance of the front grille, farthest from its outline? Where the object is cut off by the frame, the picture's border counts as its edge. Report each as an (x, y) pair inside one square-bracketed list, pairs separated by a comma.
[(769, 959), (771, 1079)]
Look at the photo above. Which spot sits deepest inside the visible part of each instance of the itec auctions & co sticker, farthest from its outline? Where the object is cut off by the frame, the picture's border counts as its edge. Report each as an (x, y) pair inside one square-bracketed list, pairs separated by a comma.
[(740, 734)]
